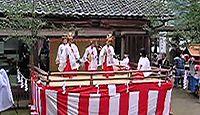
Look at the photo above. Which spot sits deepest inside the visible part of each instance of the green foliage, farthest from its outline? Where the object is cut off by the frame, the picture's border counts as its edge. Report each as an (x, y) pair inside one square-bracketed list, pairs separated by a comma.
[(158, 20), (19, 16), (187, 19)]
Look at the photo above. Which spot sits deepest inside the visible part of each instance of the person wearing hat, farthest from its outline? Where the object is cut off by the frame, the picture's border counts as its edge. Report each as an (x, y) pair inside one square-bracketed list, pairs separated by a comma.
[(72, 54), (90, 57), (61, 55), (106, 56)]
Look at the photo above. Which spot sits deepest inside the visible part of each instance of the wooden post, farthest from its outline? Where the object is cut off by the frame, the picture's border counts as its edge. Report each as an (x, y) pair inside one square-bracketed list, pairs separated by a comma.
[(47, 83), (91, 79)]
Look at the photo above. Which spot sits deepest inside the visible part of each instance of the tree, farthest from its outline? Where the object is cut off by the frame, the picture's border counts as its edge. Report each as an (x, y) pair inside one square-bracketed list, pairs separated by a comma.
[(20, 17), (186, 23), (158, 20), (22, 22)]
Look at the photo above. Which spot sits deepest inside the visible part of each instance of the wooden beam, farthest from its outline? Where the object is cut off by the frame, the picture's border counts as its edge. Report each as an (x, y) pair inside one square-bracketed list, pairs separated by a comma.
[(48, 32), (81, 32)]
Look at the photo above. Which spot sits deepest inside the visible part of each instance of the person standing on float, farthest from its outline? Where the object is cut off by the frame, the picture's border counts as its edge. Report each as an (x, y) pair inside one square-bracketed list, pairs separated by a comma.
[(106, 56), (90, 57), (61, 55), (72, 55), (144, 63)]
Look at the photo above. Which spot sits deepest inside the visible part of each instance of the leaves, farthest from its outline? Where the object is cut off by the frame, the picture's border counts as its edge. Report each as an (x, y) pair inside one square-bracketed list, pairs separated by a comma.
[(20, 16), (187, 18)]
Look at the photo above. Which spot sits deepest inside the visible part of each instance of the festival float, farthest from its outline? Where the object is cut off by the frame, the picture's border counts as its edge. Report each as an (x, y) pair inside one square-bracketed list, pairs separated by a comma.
[(118, 91), (91, 93)]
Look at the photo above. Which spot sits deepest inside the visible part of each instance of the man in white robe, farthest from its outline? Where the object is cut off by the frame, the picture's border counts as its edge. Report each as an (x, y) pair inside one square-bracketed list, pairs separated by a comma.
[(61, 55), (90, 57), (106, 56), (72, 55)]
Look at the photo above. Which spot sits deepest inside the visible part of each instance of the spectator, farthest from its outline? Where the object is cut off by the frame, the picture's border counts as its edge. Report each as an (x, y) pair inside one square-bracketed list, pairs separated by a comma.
[(191, 62), (179, 66), (155, 60), (24, 57), (163, 62)]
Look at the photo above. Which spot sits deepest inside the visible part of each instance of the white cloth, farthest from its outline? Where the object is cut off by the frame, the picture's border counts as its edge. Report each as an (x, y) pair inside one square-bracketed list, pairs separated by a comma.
[(73, 53), (6, 98), (125, 62), (116, 62), (108, 52), (144, 64), (185, 81), (90, 52), (61, 57)]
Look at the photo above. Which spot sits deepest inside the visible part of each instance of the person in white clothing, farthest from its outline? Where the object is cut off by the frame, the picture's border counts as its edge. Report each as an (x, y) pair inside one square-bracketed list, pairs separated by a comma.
[(106, 56), (72, 55), (90, 57), (6, 98), (61, 56), (144, 63), (125, 62)]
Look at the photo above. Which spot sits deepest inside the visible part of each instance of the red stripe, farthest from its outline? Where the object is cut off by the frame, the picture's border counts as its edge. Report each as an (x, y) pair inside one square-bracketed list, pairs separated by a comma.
[(124, 103), (161, 100), (87, 66), (62, 103), (107, 68), (83, 104), (104, 100), (143, 101), (104, 105), (43, 101)]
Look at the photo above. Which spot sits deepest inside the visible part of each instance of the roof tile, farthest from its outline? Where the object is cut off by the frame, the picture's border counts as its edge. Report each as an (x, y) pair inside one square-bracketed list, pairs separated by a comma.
[(92, 7)]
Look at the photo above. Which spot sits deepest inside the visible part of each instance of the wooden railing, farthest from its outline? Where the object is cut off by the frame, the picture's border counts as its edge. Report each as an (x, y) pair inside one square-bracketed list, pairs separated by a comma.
[(92, 78)]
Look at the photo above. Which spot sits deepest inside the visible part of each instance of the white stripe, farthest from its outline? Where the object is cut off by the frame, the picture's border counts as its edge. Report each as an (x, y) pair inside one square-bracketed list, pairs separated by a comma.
[(39, 99), (94, 102), (36, 97), (73, 101), (133, 103), (33, 93), (167, 103), (152, 102), (114, 104), (51, 98), (112, 89)]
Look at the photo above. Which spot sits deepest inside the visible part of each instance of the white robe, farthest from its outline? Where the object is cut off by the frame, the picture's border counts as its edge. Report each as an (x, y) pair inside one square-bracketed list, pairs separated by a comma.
[(125, 63), (107, 52), (61, 57), (144, 64), (93, 53), (6, 98), (72, 53)]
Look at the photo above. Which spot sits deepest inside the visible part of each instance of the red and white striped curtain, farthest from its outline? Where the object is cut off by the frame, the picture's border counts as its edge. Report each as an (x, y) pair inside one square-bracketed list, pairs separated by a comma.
[(132, 99)]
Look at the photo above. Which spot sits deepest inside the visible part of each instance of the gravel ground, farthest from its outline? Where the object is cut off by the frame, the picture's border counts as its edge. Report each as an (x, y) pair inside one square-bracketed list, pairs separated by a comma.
[(184, 103), (20, 112)]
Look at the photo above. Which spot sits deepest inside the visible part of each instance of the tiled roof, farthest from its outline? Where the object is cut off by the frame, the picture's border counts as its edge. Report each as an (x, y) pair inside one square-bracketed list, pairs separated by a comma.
[(123, 8), (194, 50)]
